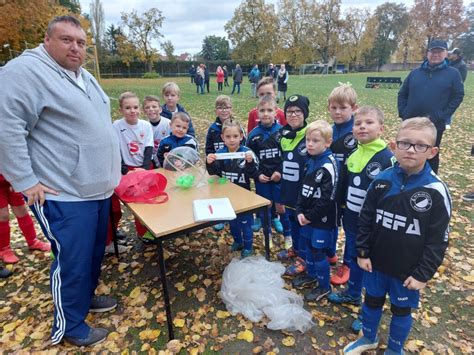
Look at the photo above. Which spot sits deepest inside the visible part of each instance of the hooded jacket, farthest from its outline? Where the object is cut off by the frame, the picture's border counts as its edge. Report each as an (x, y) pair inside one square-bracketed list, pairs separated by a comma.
[(54, 132)]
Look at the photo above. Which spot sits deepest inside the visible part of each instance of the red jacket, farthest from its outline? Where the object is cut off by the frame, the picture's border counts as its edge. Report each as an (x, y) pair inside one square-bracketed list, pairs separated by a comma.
[(220, 76), (253, 119)]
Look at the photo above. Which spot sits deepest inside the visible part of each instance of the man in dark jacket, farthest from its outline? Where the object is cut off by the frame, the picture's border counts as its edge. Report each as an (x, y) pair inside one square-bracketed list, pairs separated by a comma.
[(271, 72), (456, 61), (433, 90), (238, 76)]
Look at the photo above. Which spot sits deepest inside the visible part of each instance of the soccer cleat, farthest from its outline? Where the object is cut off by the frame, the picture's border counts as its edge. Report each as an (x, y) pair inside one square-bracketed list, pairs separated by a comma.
[(4, 273), (277, 225), (360, 345), (469, 197), (218, 227), (101, 304), (344, 297), (96, 336), (257, 224), (304, 280), (286, 254), (341, 276), (236, 246), (333, 260), (356, 325), (288, 242), (296, 268), (245, 253), (8, 256), (39, 245), (317, 294)]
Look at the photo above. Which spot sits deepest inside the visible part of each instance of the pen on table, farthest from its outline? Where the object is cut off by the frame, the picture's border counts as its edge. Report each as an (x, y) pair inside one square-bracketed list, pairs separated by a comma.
[(210, 209)]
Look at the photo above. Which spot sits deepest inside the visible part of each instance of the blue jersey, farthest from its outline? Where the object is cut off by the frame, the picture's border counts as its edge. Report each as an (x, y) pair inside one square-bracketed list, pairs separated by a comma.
[(343, 141), (265, 143), (171, 142), (214, 140)]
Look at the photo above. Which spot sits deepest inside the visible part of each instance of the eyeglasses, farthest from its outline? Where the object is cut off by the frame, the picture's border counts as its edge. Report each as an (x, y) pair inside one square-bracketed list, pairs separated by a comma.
[(294, 113), (419, 148), (224, 108)]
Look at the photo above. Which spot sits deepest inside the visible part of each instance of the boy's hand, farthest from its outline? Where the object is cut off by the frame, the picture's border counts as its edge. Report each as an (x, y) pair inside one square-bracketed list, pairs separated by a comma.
[(263, 178), (365, 264), (413, 284), (276, 176), (211, 158), (37, 192), (303, 220), (280, 208), (248, 157)]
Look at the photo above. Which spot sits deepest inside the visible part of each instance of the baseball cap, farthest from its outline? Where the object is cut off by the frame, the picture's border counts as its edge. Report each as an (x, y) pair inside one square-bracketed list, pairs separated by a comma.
[(437, 43), (455, 51)]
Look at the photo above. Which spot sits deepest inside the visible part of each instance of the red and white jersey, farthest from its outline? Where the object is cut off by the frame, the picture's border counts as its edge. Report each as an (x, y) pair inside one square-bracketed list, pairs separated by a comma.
[(160, 131), (133, 140)]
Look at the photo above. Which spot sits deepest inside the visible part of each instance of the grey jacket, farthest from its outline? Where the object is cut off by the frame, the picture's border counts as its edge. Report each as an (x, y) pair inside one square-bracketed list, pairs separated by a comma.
[(54, 132)]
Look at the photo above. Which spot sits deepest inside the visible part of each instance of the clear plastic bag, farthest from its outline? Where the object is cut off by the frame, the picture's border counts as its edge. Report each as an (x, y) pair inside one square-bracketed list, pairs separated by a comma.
[(253, 287)]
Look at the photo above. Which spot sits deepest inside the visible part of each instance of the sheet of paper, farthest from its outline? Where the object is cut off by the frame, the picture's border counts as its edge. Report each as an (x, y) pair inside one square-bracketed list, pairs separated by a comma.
[(234, 155), (214, 209)]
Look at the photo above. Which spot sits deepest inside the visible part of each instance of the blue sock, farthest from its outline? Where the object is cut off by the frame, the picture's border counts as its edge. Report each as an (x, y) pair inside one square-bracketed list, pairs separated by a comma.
[(310, 262), (400, 327), (370, 320), (355, 280), (236, 230), (332, 249), (285, 222), (322, 269), (246, 225)]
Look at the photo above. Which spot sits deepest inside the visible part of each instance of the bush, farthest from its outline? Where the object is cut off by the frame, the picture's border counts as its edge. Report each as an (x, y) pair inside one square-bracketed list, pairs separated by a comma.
[(151, 75)]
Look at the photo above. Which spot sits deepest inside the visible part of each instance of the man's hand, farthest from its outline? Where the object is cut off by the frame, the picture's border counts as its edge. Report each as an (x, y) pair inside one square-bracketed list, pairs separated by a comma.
[(413, 284), (365, 264), (37, 192)]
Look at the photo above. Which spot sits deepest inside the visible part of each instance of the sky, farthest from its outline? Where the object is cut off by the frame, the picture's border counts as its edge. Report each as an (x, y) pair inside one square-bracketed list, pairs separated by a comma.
[(187, 22)]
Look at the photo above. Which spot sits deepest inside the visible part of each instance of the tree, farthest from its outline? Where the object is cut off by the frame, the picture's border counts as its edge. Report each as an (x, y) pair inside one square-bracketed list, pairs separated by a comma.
[(326, 27), (466, 40), (389, 22), (215, 48), (110, 39), (438, 19), (96, 14), (142, 29), (127, 51), (253, 31), (168, 48), (354, 37), (294, 39), (73, 6)]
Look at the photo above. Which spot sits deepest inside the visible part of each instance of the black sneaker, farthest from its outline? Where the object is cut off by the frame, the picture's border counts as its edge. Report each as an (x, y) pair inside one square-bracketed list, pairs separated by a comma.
[(469, 197), (96, 336), (4, 273), (317, 294), (100, 304), (304, 280)]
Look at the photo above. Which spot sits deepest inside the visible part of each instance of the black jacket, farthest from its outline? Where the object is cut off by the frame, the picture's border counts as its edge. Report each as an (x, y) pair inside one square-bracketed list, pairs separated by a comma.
[(403, 224)]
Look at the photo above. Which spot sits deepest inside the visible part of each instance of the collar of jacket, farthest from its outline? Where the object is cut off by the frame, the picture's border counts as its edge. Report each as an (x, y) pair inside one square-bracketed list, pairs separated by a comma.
[(427, 67), (357, 161)]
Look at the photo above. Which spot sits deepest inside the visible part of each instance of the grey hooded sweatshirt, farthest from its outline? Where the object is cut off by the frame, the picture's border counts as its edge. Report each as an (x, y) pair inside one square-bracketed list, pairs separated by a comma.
[(54, 132)]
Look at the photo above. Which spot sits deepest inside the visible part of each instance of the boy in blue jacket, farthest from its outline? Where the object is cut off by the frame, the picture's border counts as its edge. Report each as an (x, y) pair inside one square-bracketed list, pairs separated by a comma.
[(171, 95), (402, 235)]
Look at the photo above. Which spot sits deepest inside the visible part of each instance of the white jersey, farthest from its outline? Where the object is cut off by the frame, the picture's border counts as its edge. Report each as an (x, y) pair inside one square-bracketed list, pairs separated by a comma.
[(160, 131), (133, 140)]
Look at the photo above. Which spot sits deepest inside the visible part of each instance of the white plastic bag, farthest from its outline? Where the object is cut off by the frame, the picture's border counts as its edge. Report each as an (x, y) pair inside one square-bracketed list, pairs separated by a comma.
[(253, 287)]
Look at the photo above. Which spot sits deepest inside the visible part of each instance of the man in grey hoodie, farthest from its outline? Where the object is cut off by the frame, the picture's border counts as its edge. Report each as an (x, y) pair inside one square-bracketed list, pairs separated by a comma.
[(58, 147)]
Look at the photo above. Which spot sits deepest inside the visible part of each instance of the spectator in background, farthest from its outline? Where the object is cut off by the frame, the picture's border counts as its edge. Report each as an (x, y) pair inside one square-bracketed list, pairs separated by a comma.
[(192, 73), (282, 80), (199, 79), (456, 61), (220, 78), (272, 72), (206, 77), (433, 90), (226, 75), (237, 76), (254, 77)]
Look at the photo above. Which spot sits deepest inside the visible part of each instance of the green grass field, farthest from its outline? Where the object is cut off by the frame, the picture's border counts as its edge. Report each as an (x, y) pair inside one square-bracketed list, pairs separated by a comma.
[(443, 324)]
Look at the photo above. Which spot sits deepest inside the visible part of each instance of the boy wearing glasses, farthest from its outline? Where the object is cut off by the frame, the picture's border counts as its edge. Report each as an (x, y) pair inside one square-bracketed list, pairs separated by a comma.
[(402, 235), (371, 157)]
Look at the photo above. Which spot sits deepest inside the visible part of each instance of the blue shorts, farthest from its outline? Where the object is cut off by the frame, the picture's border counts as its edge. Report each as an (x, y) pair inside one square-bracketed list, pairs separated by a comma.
[(378, 284), (320, 238), (269, 190)]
